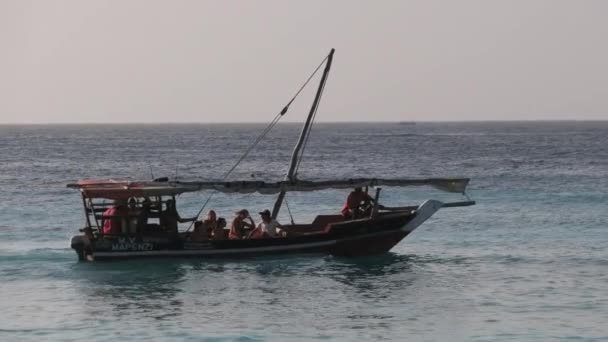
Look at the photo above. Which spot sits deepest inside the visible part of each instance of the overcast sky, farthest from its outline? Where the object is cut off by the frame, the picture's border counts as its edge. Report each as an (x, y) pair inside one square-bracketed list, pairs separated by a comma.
[(240, 61)]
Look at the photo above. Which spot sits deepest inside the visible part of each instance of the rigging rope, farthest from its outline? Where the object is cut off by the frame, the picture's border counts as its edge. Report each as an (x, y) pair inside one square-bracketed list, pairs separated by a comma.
[(257, 140), (288, 210), (305, 83), (261, 136)]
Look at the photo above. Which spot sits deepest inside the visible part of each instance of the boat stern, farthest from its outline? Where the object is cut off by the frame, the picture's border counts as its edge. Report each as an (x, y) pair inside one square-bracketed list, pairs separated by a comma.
[(82, 246)]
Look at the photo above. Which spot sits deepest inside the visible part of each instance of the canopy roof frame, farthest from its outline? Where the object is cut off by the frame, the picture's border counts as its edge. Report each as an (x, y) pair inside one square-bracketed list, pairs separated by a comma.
[(120, 189)]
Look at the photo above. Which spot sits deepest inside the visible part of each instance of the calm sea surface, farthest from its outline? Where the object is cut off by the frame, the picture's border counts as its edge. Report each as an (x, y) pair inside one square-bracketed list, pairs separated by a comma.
[(528, 263)]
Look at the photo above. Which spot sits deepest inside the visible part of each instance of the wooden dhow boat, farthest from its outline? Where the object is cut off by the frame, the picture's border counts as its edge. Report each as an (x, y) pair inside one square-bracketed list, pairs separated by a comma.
[(373, 231)]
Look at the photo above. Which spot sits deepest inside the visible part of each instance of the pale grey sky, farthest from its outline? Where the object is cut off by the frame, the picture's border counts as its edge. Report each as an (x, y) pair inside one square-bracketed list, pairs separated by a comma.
[(240, 61)]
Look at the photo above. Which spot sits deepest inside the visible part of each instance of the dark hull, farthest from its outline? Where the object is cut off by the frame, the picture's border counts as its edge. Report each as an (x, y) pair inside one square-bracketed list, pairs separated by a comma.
[(361, 237)]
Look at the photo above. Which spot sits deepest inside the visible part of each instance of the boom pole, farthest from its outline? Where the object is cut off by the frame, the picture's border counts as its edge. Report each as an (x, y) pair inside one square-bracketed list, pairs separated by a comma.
[(305, 129)]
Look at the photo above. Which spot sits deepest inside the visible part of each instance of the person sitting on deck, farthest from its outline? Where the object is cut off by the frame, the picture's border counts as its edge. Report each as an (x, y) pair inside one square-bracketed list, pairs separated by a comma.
[(218, 232), (357, 205), (210, 222), (198, 234), (267, 228), (238, 227), (202, 230), (113, 217), (169, 218)]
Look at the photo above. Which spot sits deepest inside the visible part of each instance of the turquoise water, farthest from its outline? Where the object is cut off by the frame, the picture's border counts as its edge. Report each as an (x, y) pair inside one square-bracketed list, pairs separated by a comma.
[(527, 263)]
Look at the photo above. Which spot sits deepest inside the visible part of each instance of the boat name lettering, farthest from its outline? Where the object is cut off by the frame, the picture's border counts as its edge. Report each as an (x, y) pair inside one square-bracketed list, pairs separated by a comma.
[(130, 244)]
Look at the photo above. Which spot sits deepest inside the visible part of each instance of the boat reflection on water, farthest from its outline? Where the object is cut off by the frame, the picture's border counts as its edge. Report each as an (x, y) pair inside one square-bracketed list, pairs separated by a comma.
[(383, 263), (207, 296), (397, 271), (150, 290)]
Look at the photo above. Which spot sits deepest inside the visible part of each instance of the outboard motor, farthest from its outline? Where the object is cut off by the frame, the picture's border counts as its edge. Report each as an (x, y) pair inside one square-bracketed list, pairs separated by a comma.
[(82, 245), (79, 245)]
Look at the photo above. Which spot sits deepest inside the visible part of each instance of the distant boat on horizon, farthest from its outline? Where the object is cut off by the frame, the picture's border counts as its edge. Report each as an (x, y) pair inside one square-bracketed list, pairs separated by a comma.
[(407, 123)]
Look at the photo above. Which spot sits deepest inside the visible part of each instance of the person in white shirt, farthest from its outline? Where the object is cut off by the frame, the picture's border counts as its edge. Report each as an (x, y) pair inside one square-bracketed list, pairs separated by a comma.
[(268, 227)]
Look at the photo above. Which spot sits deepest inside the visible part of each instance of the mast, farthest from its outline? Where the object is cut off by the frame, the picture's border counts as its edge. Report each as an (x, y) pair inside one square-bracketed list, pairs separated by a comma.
[(305, 129)]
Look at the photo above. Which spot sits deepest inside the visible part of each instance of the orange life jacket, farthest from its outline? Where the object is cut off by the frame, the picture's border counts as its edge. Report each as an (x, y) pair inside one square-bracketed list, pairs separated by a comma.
[(257, 233), (236, 230)]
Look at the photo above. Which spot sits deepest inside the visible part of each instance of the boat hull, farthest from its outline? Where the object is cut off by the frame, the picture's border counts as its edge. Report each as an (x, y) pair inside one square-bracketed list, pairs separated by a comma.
[(361, 237)]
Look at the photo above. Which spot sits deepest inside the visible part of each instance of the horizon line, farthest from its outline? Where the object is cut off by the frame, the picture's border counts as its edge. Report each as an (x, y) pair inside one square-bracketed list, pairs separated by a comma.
[(297, 122)]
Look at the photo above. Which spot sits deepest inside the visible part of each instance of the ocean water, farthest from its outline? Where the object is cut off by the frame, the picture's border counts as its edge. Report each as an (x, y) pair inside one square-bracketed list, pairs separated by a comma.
[(528, 263)]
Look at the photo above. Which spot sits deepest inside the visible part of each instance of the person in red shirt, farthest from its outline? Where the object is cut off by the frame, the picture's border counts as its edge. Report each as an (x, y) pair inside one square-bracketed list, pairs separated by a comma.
[(113, 218), (357, 205)]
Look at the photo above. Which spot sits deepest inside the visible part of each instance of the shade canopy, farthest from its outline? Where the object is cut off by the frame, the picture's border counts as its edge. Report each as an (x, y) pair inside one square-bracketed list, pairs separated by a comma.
[(457, 185), (118, 189), (124, 188)]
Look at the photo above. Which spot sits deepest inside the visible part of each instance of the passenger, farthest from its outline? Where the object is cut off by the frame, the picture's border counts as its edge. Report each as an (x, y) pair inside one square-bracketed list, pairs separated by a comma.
[(144, 214), (267, 228), (210, 222), (357, 204), (170, 217), (133, 216), (113, 217), (219, 233), (202, 230), (198, 233), (238, 227)]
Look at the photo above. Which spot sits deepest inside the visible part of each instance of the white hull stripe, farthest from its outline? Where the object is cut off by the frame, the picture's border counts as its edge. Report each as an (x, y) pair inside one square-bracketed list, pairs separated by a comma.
[(215, 251)]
